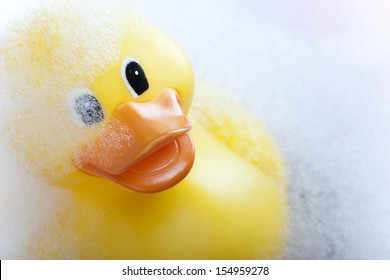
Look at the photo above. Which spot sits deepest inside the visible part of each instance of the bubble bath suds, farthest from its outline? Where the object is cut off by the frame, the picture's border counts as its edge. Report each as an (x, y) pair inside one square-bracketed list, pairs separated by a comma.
[(50, 53)]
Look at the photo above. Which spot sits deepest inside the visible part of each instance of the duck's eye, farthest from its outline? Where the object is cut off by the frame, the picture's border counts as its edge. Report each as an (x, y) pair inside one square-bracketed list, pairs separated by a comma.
[(88, 108), (134, 77)]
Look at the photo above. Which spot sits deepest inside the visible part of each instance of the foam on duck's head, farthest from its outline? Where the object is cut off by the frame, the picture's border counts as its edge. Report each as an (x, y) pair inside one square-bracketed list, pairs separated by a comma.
[(52, 50)]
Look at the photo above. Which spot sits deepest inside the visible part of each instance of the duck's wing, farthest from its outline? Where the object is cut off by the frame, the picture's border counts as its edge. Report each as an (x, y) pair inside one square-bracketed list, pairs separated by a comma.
[(233, 125)]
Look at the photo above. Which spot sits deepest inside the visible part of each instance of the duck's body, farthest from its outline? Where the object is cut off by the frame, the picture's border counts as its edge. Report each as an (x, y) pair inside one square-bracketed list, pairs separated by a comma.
[(231, 205)]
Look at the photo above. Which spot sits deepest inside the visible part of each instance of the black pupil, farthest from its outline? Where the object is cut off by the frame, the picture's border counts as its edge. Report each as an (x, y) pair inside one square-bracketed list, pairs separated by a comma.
[(135, 75), (89, 109)]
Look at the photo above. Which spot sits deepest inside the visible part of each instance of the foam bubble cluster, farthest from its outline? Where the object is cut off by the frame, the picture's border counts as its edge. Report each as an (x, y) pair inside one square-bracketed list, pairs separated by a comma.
[(49, 49), (53, 50)]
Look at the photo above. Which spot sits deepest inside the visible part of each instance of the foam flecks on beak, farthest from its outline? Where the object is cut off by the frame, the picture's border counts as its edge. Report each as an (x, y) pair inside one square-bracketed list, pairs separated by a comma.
[(145, 146)]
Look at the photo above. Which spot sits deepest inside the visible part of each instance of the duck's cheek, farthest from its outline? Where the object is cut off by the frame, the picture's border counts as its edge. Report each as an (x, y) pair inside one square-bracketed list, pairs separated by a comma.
[(146, 146)]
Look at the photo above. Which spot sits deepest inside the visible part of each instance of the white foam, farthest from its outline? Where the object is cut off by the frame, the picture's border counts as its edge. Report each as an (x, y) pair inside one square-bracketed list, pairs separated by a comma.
[(46, 52), (52, 50)]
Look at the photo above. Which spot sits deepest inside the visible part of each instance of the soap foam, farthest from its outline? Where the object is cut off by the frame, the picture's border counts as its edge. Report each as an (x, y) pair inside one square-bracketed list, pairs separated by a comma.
[(47, 50), (52, 51)]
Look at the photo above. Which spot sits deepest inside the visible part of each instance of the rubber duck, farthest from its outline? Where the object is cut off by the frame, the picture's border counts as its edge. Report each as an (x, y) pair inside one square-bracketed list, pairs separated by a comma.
[(147, 180)]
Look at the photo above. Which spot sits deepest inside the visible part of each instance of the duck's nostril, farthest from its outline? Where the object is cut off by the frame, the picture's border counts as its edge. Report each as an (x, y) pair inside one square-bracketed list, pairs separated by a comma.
[(170, 98)]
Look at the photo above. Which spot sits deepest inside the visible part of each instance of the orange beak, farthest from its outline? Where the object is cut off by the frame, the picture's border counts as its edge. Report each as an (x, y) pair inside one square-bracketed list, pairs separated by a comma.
[(145, 146)]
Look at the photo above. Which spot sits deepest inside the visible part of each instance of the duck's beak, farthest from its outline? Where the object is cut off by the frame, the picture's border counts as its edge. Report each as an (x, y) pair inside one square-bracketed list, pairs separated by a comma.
[(145, 146)]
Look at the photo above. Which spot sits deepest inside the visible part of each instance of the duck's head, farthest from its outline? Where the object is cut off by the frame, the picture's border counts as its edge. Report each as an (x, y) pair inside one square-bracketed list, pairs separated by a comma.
[(145, 144), (134, 105)]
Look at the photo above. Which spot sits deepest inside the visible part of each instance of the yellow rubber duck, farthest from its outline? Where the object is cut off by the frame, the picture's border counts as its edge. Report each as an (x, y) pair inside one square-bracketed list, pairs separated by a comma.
[(125, 150)]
